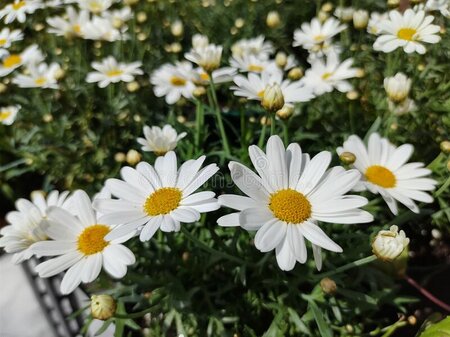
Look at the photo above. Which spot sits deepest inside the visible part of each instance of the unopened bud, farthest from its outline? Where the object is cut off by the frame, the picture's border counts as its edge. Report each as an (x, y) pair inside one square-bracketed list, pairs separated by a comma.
[(273, 19), (176, 28), (102, 307), (360, 19), (323, 16), (347, 158), (412, 320), (328, 286), (141, 17), (445, 146), (47, 118), (352, 95), (273, 98), (120, 157), (133, 86), (393, 3), (295, 74), (388, 245), (199, 91), (327, 7), (286, 111), (281, 59), (133, 157)]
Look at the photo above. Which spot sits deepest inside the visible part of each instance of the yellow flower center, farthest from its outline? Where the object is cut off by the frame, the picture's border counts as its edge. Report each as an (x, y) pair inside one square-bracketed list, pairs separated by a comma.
[(319, 38), (204, 77), (40, 81), (11, 60), (261, 93), (2, 42), (255, 68), (381, 176), (406, 34), (177, 81), (92, 239), (114, 73), (76, 29), (4, 115), (326, 76), (162, 201), (95, 7), (290, 206), (18, 5)]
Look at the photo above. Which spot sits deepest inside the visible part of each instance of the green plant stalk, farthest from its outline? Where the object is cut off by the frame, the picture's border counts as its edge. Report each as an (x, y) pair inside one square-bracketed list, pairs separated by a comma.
[(272, 124), (285, 133), (198, 124), (262, 136), (351, 265), (443, 187), (223, 135)]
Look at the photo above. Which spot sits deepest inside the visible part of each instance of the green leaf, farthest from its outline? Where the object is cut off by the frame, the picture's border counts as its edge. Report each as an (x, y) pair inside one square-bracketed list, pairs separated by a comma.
[(441, 329), (324, 328)]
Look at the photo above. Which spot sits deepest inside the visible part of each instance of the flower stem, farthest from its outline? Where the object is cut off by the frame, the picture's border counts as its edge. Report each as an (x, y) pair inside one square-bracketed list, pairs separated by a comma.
[(198, 124), (262, 136), (272, 124), (285, 133), (351, 265), (427, 294), (219, 117)]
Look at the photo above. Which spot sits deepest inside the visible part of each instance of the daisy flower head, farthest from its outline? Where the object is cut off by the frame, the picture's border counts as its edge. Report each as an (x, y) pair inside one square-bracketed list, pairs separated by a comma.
[(253, 86), (326, 75), (160, 140), (39, 76), (397, 87), (11, 62), (18, 10), (257, 46), (101, 29), (249, 63), (443, 6), (78, 245), (8, 114), (315, 36), (173, 81), (7, 37), (408, 31), (110, 71), (373, 26), (385, 171), (288, 197), (199, 41), (70, 26), (344, 14), (157, 197), (118, 17), (221, 75), (28, 222), (95, 6), (207, 57)]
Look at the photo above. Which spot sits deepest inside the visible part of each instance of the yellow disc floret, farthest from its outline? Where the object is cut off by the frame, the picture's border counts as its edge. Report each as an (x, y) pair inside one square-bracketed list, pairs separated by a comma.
[(381, 176), (177, 81), (406, 34), (92, 239), (11, 61), (290, 206), (162, 201)]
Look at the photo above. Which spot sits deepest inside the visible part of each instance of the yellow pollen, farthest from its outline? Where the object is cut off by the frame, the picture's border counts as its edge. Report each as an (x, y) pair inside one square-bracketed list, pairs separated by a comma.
[(18, 5), (162, 201), (255, 68), (40, 81), (92, 239), (319, 38), (381, 176), (11, 60), (204, 77), (406, 34), (95, 7), (76, 29), (2, 42), (326, 76), (4, 115), (261, 94), (177, 81), (290, 206), (114, 73)]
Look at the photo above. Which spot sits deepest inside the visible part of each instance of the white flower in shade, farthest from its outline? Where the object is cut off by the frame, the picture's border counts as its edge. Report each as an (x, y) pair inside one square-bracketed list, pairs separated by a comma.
[(79, 246), (11, 62), (39, 76), (253, 86), (401, 108), (110, 71), (373, 27), (7, 37), (101, 29), (255, 46), (70, 26), (27, 223), (160, 141), (159, 197), (344, 13), (199, 41), (118, 17), (408, 31), (443, 6), (360, 18), (388, 245), (314, 36), (397, 87), (18, 10), (385, 170), (288, 64), (173, 81), (221, 75), (288, 197), (250, 63), (207, 57), (8, 114), (95, 6), (326, 75)]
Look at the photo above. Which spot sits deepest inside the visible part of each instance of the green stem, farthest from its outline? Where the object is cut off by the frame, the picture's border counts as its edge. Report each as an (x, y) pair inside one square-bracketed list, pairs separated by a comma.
[(285, 133), (443, 188), (394, 327), (219, 117), (262, 136), (272, 124), (138, 314), (348, 266), (198, 124)]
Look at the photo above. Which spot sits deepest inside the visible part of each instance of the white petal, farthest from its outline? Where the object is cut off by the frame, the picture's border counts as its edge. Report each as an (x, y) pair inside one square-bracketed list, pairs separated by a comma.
[(92, 267), (313, 172), (270, 235), (297, 243), (52, 248), (72, 278), (284, 255), (254, 218), (185, 214), (58, 264), (317, 253), (112, 265), (229, 220), (248, 182), (318, 237), (236, 201), (84, 209)]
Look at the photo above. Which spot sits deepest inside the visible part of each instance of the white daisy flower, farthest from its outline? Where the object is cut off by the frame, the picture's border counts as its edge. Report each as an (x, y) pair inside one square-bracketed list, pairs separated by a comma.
[(221, 75), (397, 87), (173, 81), (110, 71), (160, 141), (288, 197), (80, 246), (159, 197), (207, 57), (199, 41), (402, 108), (373, 27), (315, 36), (7, 37), (344, 13), (95, 6), (325, 76), (11, 62), (8, 114), (385, 171), (118, 17), (99, 29), (18, 10), (255, 46), (72, 26), (408, 31), (253, 86), (250, 63), (27, 223), (443, 6), (39, 76)]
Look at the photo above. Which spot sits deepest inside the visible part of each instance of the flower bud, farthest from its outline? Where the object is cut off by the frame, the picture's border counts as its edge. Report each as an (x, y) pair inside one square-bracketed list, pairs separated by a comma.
[(397, 87), (102, 307), (327, 7), (393, 3), (281, 59), (239, 23), (273, 19), (352, 95), (347, 158), (388, 245), (323, 16), (141, 17), (199, 41), (286, 111), (130, 2), (328, 286), (199, 91), (176, 28), (295, 74), (133, 157), (445, 146), (273, 98), (133, 86), (360, 19)]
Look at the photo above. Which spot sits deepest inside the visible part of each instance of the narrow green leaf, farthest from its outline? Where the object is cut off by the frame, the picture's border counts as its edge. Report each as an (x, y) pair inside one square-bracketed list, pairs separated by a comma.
[(324, 328)]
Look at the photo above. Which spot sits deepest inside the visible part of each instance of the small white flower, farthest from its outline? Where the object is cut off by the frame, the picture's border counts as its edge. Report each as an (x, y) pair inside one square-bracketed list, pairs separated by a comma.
[(80, 246), (408, 31), (7, 37), (8, 114), (39, 76), (288, 197), (360, 18), (385, 170), (373, 27), (28, 222), (402, 108), (101, 29), (344, 13), (118, 17), (207, 57), (160, 141), (255, 46), (199, 41), (173, 81), (18, 10), (72, 26), (250, 63), (397, 87), (95, 6), (443, 6), (159, 197), (388, 245), (325, 76), (221, 75), (110, 71), (11, 62)]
